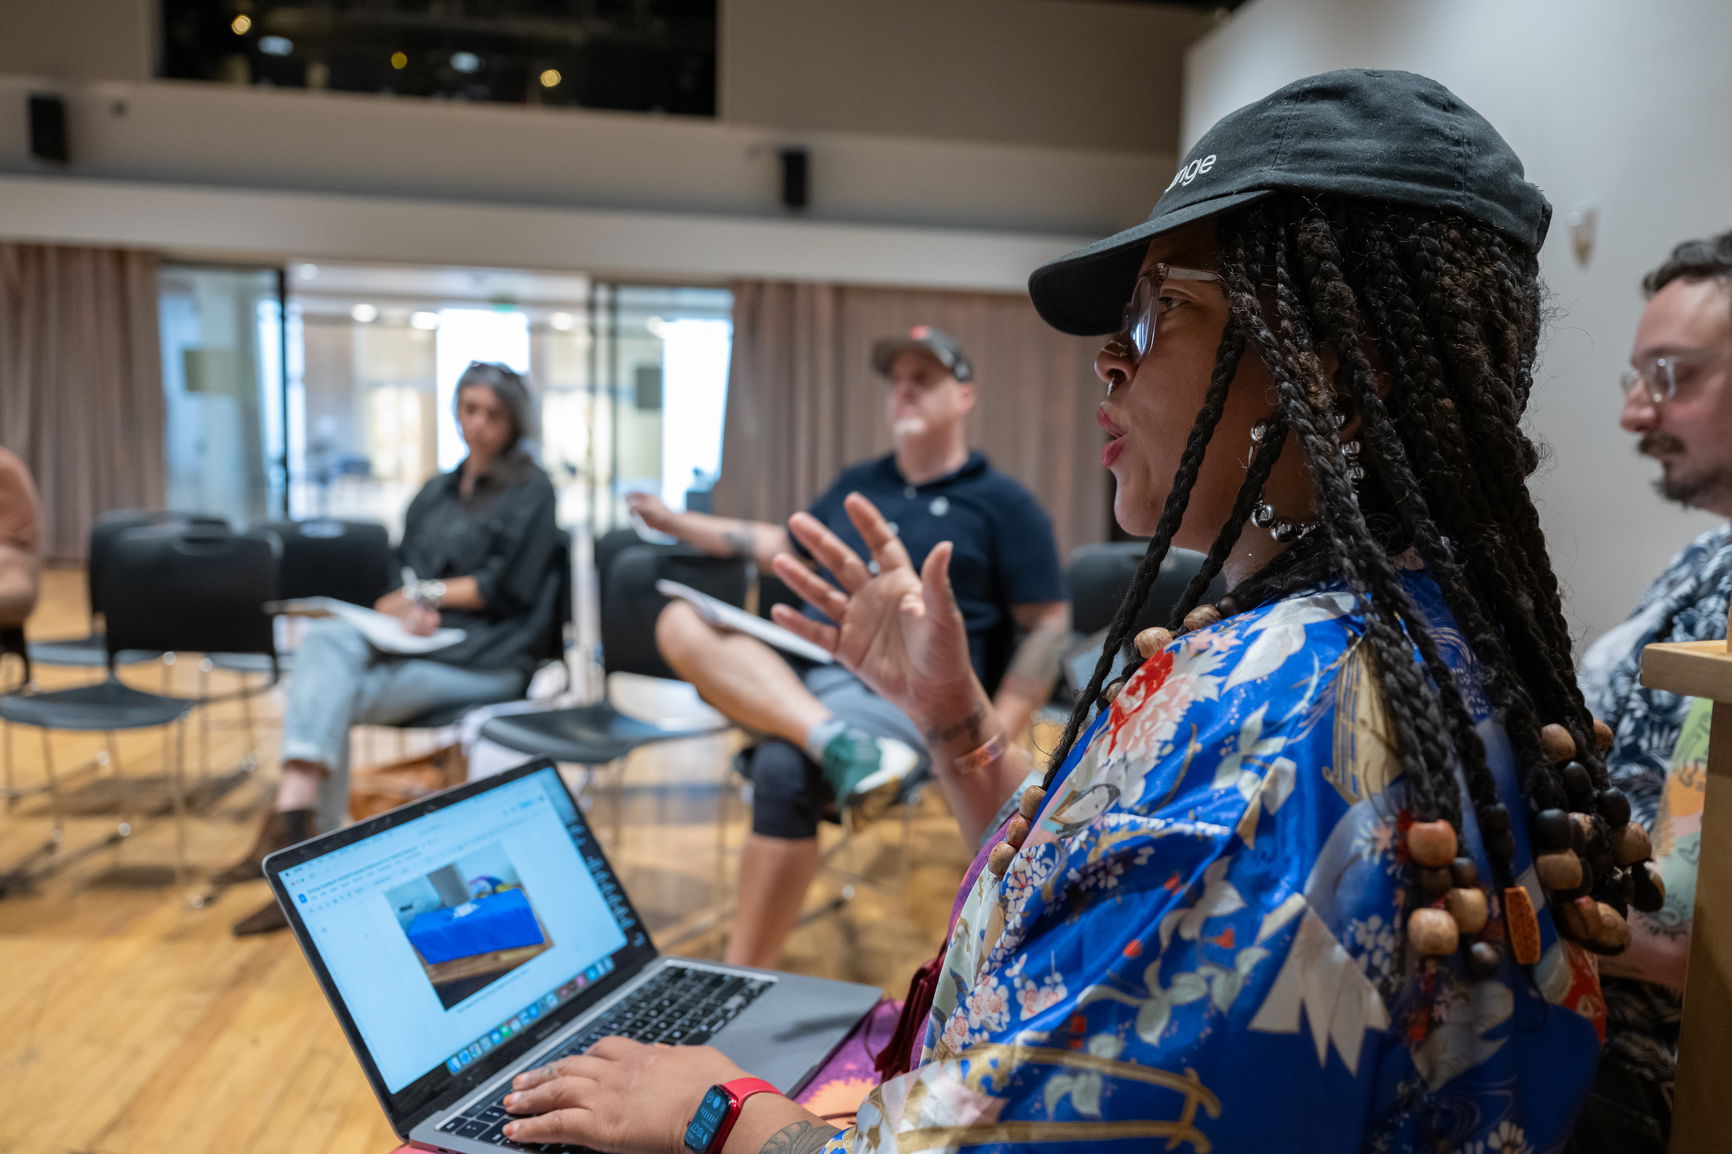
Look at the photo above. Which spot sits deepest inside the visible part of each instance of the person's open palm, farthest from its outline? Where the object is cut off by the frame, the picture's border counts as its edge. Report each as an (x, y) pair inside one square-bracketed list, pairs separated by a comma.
[(899, 630)]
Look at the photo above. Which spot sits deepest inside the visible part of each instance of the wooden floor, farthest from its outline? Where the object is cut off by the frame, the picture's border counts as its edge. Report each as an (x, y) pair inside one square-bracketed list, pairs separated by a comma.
[(133, 1024)]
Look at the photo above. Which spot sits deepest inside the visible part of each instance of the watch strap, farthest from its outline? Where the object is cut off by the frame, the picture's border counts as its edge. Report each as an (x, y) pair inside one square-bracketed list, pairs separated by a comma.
[(738, 1091)]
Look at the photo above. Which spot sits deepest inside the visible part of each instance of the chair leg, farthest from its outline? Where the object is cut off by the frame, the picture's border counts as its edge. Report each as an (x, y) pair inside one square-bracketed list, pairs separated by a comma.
[(11, 784), (59, 827), (204, 710), (111, 754), (617, 769), (247, 718), (178, 786)]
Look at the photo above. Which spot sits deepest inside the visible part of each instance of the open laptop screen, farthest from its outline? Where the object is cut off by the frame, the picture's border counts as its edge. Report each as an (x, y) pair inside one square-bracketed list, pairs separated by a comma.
[(456, 932)]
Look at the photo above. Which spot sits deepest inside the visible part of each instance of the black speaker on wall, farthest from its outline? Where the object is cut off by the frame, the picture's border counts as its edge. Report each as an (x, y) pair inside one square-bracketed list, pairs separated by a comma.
[(48, 128), (795, 171)]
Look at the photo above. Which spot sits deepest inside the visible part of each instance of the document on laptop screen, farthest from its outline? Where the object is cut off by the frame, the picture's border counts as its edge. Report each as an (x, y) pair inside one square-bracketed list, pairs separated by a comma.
[(447, 934)]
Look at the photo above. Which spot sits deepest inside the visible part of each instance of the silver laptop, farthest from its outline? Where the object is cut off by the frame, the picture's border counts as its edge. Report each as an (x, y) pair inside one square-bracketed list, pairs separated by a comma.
[(480, 932)]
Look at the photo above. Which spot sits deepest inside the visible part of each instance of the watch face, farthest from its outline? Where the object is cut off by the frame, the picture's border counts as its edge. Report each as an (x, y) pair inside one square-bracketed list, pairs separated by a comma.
[(701, 1131)]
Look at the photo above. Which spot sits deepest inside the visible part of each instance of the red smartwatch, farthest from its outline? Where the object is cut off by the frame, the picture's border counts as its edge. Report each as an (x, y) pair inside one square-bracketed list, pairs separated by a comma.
[(720, 1109)]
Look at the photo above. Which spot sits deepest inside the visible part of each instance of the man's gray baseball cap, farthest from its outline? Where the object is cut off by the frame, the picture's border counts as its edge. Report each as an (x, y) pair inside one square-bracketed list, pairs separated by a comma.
[(1374, 135)]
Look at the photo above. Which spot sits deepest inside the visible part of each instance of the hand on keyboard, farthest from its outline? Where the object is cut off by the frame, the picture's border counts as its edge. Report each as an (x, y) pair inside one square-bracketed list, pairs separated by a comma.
[(619, 1096)]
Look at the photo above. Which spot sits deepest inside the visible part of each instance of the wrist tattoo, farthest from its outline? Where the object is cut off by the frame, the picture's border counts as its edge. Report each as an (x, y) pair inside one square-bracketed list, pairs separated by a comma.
[(969, 727), (799, 1138), (738, 542)]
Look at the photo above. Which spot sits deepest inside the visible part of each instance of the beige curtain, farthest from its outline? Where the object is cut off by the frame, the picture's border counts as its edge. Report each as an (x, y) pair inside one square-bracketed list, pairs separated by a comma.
[(81, 383), (803, 400)]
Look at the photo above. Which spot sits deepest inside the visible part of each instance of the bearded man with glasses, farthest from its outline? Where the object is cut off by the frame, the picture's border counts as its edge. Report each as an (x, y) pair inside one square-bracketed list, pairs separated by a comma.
[(1678, 402)]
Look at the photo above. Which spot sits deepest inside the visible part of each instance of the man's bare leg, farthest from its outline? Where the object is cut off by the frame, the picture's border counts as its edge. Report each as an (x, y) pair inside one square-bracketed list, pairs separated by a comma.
[(774, 876), (751, 683), (739, 675)]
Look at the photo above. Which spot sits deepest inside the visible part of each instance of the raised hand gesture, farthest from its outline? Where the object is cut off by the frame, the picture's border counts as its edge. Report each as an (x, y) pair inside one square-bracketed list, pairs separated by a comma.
[(899, 630)]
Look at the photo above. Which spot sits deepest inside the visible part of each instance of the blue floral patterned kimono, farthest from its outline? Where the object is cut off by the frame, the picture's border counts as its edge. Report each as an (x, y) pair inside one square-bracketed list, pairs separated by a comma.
[(1201, 944)]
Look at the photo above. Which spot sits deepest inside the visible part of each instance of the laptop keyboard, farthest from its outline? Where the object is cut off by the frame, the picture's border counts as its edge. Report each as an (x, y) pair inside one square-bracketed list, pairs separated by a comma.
[(681, 1006)]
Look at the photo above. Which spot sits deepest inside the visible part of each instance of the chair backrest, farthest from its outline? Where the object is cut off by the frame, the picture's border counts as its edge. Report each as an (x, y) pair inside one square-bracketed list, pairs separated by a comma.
[(552, 647), (773, 591), (193, 589), (1100, 575), (609, 546), (630, 603), (110, 525), (347, 560)]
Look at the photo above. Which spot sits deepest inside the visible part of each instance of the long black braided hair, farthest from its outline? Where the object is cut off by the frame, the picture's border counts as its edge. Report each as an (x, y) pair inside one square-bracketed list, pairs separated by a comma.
[(1434, 321)]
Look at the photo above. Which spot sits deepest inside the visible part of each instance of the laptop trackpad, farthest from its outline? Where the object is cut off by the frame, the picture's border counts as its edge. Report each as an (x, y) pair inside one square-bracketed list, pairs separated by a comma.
[(784, 1035)]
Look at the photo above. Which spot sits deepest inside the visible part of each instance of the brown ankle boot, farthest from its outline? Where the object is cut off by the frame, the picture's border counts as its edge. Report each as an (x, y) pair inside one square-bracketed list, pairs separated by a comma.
[(282, 828), (268, 918)]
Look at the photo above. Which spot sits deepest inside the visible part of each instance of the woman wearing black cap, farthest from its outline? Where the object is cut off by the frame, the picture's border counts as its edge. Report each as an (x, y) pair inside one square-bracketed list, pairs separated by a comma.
[(1327, 871)]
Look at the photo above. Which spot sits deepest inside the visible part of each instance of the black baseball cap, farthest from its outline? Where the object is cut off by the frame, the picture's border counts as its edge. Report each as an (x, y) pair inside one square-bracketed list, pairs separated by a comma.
[(940, 346), (1378, 135)]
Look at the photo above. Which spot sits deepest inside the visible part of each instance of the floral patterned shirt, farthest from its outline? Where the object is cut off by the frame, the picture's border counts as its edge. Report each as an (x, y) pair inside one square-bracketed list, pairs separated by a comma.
[(1202, 941), (1687, 602)]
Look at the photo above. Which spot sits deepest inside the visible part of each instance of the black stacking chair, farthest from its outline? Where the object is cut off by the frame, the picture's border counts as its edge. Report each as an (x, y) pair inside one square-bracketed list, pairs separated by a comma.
[(598, 734), (90, 651), (164, 588), (345, 560), (1099, 577)]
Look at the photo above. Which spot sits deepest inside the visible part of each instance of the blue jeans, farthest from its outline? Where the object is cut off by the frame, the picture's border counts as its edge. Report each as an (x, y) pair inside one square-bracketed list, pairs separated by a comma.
[(339, 681)]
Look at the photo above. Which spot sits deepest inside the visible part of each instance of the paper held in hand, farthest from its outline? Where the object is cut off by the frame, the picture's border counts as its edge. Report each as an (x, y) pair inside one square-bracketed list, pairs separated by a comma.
[(724, 616), (382, 631)]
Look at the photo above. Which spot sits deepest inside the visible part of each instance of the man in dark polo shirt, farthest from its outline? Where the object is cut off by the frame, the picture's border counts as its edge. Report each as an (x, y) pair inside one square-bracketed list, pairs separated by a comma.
[(829, 737)]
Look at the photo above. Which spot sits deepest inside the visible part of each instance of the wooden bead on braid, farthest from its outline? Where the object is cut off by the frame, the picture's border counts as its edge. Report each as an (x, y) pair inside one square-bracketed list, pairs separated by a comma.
[(1202, 617), (1521, 925), (1432, 932), (1557, 743), (1152, 640), (1593, 861), (1469, 909), (1432, 843)]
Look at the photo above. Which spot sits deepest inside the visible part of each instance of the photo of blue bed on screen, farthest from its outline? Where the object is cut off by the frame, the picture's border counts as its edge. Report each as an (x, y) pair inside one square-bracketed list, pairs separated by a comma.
[(470, 921)]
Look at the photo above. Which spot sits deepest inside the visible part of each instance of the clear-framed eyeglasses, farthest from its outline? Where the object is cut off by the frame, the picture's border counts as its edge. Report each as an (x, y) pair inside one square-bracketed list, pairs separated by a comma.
[(1143, 312), (1667, 378)]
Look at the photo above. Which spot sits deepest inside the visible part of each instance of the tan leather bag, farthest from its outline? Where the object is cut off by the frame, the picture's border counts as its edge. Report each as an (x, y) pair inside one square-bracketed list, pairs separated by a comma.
[(385, 787)]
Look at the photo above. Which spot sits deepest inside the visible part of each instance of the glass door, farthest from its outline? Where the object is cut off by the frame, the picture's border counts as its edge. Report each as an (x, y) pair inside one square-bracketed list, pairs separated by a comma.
[(661, 365), (222, 372)]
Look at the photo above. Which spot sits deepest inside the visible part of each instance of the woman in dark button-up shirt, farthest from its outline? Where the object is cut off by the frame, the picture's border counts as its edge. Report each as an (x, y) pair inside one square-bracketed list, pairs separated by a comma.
[(478, 554)]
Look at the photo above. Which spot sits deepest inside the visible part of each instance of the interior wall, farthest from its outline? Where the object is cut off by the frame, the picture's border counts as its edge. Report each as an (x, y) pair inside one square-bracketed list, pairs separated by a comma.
[(1076, 73), (250, 225), (90, 39), (1612, 106)]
